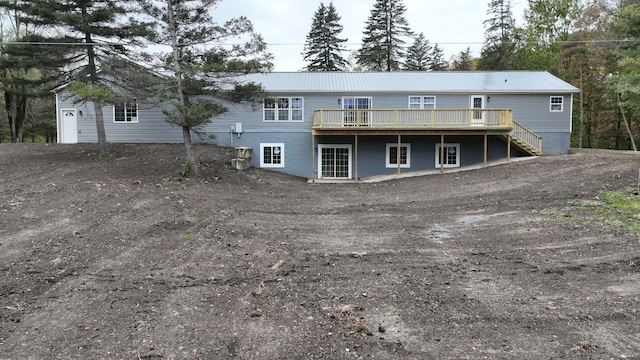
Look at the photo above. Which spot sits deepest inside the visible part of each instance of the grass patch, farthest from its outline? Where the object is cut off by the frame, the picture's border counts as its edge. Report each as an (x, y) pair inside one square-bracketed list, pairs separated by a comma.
[(613, 209), (622, 208)]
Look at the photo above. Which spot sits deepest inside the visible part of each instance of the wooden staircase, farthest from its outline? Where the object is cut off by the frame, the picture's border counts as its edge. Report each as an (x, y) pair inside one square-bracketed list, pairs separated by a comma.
[(525, 140)]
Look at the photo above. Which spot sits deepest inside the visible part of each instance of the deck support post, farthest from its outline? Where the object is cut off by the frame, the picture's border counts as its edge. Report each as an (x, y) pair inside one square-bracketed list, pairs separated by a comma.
[(313, 155), (509, 148), (355, 156), (485, 149), (398, 153), (441, 153)]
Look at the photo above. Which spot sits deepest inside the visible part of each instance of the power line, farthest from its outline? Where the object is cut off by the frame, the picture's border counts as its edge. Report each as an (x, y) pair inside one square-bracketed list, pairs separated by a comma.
[(601, 41)]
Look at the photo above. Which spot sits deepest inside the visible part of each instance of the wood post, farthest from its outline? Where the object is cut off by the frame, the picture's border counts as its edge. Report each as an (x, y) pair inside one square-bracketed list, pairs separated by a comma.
[(398, 153), (355, 157), (441, 153), (485, 149)]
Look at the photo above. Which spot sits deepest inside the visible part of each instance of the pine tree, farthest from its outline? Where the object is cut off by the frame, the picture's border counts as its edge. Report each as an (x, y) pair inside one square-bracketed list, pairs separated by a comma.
[(102, 27), (463, 61), (323, 47), (205, 80), (499, 42), (438, 62), (382, 48), (27, 76), (419, 55)]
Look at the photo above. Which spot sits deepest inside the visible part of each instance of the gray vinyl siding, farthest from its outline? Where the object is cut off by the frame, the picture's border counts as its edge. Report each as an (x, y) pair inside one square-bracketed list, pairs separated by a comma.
[(372, 151), (531, 110), (150, 128), (297, 148)]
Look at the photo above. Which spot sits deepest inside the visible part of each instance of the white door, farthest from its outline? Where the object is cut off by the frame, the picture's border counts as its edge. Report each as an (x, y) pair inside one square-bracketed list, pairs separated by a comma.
[(477, 117), (334, 162), (356, 118), (69, 131)]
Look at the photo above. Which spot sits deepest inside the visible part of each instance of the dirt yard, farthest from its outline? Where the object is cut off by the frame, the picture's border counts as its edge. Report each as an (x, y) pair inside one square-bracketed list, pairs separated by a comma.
[(120, 258)]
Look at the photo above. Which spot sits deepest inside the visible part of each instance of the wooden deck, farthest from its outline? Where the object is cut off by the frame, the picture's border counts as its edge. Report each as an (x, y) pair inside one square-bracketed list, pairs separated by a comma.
[(402, 119), (424, 122)]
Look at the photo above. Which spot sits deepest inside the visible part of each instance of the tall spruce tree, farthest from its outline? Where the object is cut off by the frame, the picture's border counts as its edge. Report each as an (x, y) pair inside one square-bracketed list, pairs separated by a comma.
[(101, 29), (382, 44), (419, 54), (499, 37), (438, 61), (205, 79), (323, 47)]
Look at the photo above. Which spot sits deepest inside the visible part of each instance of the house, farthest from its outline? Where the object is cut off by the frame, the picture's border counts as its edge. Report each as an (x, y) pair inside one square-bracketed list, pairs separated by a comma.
[(348, 125)]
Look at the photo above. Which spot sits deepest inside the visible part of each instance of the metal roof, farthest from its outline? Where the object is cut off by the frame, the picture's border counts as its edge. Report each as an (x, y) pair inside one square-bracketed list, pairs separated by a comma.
[(414, 82)]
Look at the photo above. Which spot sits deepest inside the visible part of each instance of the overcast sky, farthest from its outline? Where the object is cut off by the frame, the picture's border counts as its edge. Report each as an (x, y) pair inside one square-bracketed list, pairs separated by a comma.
[(284, 24)]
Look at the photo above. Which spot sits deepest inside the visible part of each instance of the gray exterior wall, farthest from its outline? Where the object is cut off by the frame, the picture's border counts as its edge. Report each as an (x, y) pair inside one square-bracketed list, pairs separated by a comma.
[(530, 110), (150, 128)]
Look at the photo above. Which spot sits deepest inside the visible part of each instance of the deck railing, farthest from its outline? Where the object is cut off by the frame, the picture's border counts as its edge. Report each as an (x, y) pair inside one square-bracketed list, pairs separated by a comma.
[(413, 119), (527, 137)]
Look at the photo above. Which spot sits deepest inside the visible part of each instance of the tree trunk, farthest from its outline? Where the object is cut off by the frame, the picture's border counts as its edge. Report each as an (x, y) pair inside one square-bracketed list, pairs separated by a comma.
[(21, 115), (191, 165), (626, 124), (103, 147), (9, 105), (581, 109)]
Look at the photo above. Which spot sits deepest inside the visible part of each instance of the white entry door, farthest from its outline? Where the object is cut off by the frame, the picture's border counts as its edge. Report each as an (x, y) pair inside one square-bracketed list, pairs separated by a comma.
[(69, 132), (477, 117)]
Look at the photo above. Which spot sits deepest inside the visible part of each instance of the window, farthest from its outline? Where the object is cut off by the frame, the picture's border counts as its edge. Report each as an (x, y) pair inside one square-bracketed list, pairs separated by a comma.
[(126, 113), (451, 155), (392, 155), (284, 109), (272, 155), (556, 103), (422, 102)]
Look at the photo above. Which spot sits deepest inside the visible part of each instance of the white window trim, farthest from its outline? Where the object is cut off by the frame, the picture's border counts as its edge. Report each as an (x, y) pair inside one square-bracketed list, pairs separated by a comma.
[(388, 164), (290, 109), (447, 145), (561, 103), (124, 106), (335, 146), (422, 103), (370, 98), (272, 145)]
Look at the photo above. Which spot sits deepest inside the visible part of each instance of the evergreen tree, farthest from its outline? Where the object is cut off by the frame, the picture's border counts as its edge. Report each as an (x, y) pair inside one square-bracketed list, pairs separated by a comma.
[(463, 61), (205, 80), (499, 42), (101, 27), (418, 55), (322, 50), (382, 44), (438, 61), (27, 76)]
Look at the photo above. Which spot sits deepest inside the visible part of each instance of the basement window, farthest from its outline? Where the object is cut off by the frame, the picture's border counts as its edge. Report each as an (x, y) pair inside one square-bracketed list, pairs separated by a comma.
[(392, 155), (451, 155), (272, 155)]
